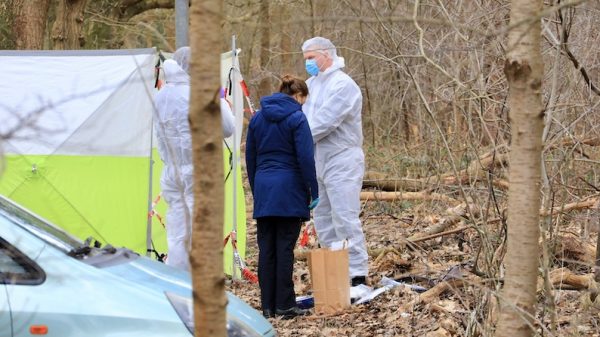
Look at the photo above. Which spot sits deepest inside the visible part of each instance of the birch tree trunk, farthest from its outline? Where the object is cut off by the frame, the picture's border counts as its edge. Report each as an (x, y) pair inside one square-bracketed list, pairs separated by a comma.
[(524, 70), (67, 28), (29, 23), (206, 257)]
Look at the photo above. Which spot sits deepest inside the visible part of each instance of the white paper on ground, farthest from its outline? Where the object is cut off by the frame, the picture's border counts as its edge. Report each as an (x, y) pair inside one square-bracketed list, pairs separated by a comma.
[(338, 245), (360, 291), (388, 282), (363, 293)]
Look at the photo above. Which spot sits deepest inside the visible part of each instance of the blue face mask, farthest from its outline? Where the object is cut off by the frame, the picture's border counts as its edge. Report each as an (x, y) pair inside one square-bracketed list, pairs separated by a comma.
[(311, 67)]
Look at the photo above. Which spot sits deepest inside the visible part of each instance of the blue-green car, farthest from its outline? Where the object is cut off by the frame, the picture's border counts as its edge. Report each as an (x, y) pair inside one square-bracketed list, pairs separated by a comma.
[(52, 284)]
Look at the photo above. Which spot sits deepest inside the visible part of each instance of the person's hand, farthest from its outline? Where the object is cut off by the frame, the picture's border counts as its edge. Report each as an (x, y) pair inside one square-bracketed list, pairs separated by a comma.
[(313, 203)]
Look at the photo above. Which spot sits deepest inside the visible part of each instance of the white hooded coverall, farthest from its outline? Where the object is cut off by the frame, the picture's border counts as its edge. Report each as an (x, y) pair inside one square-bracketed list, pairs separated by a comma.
[(175, 149), (333, 110), (182, 57)]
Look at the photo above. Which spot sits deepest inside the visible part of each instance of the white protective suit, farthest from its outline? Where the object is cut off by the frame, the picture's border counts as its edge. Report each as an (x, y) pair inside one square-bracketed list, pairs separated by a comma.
[(333, 110), (175, 149), (182, 57)]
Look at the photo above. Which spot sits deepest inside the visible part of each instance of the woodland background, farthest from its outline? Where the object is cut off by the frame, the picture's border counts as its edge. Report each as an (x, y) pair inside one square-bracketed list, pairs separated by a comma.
[(437, 132)]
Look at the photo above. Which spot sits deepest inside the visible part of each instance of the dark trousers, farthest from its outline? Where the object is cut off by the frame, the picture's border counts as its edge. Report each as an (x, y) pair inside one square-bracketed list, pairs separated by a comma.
[(276, 238)]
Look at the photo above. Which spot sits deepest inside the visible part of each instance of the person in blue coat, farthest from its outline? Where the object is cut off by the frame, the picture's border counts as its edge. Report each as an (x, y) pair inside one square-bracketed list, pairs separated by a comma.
[(281, 170)]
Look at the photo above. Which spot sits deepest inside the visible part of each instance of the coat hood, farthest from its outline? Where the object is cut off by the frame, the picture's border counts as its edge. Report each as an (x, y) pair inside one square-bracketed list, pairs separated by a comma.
[(174, 73), (278, 106)]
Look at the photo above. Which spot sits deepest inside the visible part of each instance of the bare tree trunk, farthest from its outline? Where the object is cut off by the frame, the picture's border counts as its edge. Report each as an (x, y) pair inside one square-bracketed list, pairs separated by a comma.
[(126, 9), (524, 70), (29, 23), (285, 41), (67, 28), (265, 45), (597, 271), (206, 257)]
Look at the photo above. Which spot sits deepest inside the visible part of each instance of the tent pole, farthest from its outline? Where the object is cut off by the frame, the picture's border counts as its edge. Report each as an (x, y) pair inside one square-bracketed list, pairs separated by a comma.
[(149, 218), (181, 23), (234, 164)]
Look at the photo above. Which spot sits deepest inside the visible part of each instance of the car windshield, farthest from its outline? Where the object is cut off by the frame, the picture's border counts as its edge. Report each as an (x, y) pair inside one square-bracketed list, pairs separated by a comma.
[(38, 226)]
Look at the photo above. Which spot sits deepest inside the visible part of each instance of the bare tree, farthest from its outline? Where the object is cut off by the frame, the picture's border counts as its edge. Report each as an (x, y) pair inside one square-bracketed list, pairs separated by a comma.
[(114, 23), (67, 28), (207, 235), (265, 44), (524, 70), (29, 23), (126, 9)]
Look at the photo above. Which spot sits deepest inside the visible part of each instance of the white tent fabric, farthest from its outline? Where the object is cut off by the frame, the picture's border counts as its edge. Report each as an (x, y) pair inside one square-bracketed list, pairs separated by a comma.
[(79, 130), (65, 103), (80, 144)]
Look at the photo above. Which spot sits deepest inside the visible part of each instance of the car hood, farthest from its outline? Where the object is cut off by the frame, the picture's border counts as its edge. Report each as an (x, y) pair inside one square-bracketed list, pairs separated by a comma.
[(158, 276)]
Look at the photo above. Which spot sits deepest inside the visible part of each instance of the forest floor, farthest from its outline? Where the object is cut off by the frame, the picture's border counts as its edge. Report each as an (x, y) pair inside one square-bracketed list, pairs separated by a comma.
[(459, 311)]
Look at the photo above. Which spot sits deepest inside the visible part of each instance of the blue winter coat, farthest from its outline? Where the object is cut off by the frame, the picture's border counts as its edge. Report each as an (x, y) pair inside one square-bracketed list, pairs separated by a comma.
[(280, 159)]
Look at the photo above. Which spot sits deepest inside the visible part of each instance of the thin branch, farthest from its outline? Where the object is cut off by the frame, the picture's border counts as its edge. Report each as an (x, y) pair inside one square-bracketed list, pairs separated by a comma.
[(572, 57)]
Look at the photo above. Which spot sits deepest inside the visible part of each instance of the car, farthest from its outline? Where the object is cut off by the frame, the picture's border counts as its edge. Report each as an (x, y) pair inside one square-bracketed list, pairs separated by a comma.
[(54, 284)]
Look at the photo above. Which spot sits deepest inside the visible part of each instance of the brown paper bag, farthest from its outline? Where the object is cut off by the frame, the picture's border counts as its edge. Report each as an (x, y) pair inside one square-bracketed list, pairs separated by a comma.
[(330, 282)]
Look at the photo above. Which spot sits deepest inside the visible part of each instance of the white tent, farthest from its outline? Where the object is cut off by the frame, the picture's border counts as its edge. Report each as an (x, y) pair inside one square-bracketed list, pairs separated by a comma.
[(79, 148)]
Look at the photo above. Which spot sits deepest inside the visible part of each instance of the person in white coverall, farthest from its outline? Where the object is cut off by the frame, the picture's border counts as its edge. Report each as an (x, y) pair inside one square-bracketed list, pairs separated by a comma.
[(182, 57), (175, 149), (333, 110)]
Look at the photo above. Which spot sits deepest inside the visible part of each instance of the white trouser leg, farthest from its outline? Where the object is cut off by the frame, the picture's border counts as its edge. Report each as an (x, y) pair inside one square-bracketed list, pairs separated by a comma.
[(178, 193), (322, 216), (338, 218), (345, 210)]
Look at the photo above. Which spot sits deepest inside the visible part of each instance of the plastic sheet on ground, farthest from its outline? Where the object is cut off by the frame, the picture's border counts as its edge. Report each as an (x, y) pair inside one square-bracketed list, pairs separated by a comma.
[(363, 294)]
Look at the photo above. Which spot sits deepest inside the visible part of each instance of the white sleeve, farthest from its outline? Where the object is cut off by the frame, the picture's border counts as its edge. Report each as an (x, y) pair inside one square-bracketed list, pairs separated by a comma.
[(227, 119)]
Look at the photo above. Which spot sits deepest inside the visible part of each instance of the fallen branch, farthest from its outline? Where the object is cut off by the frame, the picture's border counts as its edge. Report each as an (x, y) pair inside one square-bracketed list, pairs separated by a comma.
[(575, 145), (563, 276), (392, 196), (433, 293), (302, 254), (380, 181), (576, 251), (588, 203), (390, 258), (455, 215), (437, 235), (571, 248), (476, 171)]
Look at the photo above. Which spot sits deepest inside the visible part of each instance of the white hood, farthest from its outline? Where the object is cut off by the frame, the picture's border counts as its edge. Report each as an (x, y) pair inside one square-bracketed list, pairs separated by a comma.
[(174, 74)]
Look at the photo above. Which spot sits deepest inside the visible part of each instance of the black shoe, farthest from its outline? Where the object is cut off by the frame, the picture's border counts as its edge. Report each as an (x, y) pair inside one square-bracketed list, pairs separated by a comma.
[(291, 312), (268, 313), (357, 280)]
